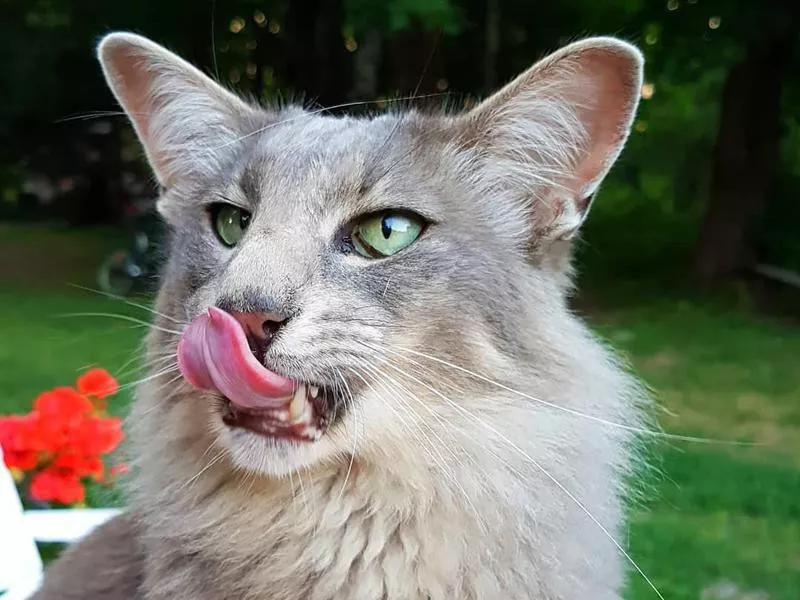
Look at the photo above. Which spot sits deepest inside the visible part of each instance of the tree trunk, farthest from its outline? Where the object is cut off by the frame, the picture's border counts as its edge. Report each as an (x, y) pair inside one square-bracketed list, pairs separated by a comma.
[(492, 44), (745, 154), (317, 60), (366, 66), (300, 70), (416, 65)]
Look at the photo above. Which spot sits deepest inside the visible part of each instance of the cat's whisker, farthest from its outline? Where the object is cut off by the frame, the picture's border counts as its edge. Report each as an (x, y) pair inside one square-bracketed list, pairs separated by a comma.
[(314, 498), (145, 366), (187, 485), (394, 387), (351, 404), (294, 488), (124, 300), (440, 443), (303, 495), (382, 379), (92, 115), (149, 358), (456, 427), (208, 449), (397, 415), (136, 354), (120, 317), (158, 389), (161, 373), (308, 114), (250, 479), (446, 425), (576, 413), (378, 353), (547, 474)]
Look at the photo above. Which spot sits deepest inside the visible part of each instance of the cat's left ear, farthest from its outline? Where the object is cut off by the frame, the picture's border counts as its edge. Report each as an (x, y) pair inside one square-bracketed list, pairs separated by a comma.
[(182, 117), (547, 139)]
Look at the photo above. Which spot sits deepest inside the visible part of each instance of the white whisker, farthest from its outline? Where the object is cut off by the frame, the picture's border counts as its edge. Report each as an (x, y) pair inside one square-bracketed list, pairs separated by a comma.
[(187, 485), (311, 113), (122, 318), (576, 413), (441, 443), (156, 375), (144, 307), (558, 484), (355, 433)]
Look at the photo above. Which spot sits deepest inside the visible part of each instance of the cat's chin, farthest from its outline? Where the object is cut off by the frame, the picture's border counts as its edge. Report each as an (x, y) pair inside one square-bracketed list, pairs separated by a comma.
[(273, 456), (280, 441)]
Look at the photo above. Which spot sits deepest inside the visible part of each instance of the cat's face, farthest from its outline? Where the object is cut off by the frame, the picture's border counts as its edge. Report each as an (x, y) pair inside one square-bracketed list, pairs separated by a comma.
[(317, 194), (378, 264)]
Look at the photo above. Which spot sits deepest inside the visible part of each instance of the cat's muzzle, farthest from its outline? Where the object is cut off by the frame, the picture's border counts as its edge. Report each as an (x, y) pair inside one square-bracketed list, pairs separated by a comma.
[(214, 355)]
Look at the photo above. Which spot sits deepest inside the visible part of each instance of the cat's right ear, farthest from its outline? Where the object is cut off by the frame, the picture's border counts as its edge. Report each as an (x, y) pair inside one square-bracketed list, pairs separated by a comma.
[(182, 117)]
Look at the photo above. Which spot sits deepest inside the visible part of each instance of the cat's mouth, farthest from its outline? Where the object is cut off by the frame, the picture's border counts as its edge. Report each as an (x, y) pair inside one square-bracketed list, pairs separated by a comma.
[(214, 355), (304, 417)]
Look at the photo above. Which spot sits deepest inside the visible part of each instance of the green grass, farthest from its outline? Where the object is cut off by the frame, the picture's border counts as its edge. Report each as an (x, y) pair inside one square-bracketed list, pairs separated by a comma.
[(51, 256), (714, 513), (717, 513), (719, 519), (43, 345)]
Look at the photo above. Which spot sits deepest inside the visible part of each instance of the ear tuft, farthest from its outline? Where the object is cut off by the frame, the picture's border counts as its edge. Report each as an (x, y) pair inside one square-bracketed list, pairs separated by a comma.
[(179, 114)]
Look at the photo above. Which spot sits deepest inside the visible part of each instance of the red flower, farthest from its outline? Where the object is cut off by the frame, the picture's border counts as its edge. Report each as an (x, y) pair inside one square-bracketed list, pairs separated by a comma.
[(96, 435), (24, 461), (62, 440), (54, 485), (98, 383), (10, 429), (82, 466), (58, 412), (21, 441), (62, 404)]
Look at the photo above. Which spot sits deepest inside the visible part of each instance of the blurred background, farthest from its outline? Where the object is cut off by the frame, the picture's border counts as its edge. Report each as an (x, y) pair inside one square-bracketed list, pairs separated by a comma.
[(690, 263)]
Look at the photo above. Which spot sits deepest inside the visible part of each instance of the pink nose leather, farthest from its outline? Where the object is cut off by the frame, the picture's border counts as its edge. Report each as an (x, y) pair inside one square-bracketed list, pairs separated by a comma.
[(260, 326)]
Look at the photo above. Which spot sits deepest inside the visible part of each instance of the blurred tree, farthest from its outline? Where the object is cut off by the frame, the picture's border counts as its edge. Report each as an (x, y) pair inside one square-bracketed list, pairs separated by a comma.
[(715, 125), (754, 44)]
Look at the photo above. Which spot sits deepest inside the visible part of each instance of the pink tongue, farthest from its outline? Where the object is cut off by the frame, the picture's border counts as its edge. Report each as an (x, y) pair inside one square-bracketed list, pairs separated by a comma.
[(213, 355)]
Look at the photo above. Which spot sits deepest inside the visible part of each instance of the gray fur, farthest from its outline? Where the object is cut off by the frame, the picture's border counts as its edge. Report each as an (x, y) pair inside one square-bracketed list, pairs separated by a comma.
[(484, 449)]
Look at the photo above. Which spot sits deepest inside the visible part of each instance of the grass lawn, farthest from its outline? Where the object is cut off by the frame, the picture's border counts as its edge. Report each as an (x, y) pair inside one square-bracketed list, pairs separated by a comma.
[(718, 517)]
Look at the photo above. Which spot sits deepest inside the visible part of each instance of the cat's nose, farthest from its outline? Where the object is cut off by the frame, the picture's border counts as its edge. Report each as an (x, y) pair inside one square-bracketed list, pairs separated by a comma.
[(261, 328)]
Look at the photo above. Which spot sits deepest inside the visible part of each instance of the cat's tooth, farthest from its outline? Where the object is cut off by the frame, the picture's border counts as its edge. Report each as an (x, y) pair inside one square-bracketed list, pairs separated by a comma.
[(314, 390), (299, 401)]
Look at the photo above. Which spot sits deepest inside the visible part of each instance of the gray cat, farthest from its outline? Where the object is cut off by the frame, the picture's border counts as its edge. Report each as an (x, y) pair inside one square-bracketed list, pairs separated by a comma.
[(366, 382)]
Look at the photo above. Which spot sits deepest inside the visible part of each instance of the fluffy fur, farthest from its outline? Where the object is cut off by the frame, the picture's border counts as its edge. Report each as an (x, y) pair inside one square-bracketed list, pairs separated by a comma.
[(487, 435)]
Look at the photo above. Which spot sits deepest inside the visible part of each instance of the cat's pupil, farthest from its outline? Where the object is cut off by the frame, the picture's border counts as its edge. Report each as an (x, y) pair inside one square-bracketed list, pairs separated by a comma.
[(386, 227)]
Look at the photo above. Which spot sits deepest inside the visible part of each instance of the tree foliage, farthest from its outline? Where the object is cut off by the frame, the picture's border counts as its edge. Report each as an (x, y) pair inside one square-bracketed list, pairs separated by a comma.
[(338, 51)]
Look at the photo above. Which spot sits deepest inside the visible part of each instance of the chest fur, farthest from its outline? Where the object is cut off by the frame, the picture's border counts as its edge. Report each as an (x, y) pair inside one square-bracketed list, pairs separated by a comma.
[(346, 549)]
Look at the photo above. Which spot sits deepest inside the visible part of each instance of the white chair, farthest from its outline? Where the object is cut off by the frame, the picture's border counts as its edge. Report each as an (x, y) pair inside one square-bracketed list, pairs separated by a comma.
[(21, 566)]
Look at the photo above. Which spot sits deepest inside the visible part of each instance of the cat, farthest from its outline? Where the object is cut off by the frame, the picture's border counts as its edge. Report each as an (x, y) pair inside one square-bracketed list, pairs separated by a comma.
[(365, 378)]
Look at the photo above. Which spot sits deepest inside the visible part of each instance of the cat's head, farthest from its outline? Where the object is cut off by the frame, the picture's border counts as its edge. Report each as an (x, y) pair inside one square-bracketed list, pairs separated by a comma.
[(390, 272)]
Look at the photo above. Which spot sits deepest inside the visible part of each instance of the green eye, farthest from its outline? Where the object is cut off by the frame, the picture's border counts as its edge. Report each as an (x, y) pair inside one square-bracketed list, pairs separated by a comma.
[(229, 222), (386, 233)]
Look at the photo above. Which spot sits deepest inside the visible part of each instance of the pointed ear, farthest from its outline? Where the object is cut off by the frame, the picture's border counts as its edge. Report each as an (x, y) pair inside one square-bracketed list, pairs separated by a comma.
[(180, 115), (548, 138)]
